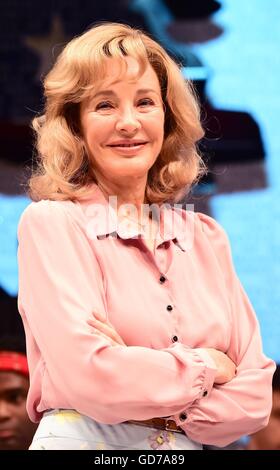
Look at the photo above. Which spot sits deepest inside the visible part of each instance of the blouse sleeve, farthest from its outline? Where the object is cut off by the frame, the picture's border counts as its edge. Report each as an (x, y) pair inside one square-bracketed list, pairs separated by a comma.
[(241, 406), (60, 286)]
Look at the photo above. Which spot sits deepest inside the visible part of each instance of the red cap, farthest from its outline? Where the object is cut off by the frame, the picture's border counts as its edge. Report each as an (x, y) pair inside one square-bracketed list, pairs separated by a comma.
[(13, 362)]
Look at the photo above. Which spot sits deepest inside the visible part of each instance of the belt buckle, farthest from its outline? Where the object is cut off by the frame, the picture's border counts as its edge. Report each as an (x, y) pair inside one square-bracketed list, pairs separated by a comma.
[(168, 426)]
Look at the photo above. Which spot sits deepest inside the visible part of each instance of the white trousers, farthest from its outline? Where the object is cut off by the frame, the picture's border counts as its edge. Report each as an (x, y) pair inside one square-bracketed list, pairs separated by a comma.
[(69, 430)]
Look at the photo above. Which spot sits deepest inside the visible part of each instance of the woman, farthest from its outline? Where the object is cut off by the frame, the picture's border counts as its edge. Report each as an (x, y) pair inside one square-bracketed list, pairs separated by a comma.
[(139, 334)]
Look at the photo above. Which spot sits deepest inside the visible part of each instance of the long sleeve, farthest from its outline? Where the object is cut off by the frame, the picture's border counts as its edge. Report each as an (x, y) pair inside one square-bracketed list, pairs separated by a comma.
[(60, 288), (241, 406)]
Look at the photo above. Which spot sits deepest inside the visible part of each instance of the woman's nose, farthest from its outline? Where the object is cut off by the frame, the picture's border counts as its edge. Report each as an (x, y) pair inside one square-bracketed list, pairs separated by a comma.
[(127, 121)]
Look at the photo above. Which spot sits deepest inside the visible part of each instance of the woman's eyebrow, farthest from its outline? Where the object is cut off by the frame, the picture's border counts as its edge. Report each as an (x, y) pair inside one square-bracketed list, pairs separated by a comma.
[(112, 93)]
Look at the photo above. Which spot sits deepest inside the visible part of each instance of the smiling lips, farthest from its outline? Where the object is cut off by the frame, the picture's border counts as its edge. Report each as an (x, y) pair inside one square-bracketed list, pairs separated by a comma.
[(128, 147), (127, 142)]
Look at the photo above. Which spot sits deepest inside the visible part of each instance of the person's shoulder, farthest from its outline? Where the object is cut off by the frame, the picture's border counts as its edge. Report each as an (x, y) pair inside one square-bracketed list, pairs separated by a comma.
[(203, 224), (48, 211), (209, 226), (215, 237), (44, 208)]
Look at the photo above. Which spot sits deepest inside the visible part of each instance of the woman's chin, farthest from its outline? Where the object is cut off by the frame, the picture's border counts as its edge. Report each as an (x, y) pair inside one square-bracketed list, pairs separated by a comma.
[(133, 171), (133, 175)]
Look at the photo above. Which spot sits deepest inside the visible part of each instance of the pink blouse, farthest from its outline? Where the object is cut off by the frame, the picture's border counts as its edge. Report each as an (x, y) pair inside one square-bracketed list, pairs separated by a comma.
[(75, 262)]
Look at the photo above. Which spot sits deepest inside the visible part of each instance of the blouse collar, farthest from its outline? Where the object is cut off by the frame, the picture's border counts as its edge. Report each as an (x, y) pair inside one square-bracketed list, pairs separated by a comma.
[(176, 223)]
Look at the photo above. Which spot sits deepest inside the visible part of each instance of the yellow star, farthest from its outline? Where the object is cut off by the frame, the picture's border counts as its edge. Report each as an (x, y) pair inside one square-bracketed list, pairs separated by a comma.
[(159, 440), (48, 47), (100, 446)]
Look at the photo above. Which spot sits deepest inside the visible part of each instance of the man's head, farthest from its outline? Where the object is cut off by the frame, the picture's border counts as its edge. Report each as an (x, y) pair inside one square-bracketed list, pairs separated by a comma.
[(16, 430), (269, 437)]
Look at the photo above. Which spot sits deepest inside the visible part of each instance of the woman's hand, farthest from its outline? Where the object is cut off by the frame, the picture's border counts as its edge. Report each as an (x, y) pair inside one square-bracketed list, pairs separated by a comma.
[(107, 330), (226, 368)]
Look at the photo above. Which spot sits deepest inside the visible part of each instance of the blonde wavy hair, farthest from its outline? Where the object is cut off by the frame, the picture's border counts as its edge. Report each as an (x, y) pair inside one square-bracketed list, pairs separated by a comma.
[(63, 170)]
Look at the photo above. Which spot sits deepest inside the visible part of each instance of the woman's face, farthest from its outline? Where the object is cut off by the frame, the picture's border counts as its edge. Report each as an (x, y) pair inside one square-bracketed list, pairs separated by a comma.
[(123, 123)]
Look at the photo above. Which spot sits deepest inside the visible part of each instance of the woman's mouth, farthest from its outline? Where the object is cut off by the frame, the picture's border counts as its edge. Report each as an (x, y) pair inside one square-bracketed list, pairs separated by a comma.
[(128, 149)]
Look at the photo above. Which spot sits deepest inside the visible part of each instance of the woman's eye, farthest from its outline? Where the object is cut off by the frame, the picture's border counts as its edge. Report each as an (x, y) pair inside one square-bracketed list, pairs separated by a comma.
[(104, 105), (145, 102)]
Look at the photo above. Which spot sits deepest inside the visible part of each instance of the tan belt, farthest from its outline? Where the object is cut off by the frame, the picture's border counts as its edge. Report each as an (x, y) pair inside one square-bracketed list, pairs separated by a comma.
[(159, 423)]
